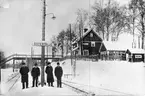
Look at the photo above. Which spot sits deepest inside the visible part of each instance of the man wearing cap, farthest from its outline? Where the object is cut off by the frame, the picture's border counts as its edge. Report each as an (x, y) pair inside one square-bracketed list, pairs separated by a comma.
[(35, 74), (49, 72), (24, 75), (58, 74)]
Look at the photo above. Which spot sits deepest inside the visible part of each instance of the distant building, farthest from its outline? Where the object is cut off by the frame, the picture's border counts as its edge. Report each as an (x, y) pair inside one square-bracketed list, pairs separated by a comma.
[(135, 55), (119, 51)]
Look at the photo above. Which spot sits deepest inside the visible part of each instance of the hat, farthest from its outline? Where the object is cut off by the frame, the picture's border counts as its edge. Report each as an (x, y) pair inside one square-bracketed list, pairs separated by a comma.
[(58, 63), (23, 63), (48, 63), (35, 64)]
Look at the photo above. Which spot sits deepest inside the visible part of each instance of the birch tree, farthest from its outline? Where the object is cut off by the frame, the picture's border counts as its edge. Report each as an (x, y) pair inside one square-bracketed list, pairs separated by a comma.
[(109, 19), (138, 6)]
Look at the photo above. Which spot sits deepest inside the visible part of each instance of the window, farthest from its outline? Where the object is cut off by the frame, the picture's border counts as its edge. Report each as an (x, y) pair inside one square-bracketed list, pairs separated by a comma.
[(86, 52), (91, 34), (75, 46), (138, 56), (92, 44), (85, 43)]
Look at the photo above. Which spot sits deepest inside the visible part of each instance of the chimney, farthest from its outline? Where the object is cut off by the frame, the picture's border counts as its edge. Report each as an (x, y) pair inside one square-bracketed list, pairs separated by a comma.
[(85, 30)]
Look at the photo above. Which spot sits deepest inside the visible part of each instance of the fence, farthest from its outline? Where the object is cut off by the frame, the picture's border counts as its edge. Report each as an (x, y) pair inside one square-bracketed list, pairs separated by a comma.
[(80, 57)]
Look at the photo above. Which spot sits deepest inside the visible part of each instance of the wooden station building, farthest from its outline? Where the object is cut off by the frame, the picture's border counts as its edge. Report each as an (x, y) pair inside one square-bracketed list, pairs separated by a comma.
[(89, 44)]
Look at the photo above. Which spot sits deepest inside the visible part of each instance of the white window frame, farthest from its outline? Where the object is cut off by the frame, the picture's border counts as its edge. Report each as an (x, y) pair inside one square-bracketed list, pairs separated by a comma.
[(85, 43), (93, 44), (73, 47), (85, 51), (138, 56)]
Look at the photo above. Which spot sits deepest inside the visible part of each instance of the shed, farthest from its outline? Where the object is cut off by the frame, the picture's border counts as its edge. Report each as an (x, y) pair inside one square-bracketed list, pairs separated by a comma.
[(135, 55)]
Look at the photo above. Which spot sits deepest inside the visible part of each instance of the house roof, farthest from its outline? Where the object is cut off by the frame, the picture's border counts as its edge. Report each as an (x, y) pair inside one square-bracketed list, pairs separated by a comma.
[(114, 46), (137, 51), (87, 32)]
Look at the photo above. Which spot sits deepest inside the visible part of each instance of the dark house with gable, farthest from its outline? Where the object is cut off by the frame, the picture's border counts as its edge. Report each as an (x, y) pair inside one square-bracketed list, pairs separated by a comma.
[(89, 44)]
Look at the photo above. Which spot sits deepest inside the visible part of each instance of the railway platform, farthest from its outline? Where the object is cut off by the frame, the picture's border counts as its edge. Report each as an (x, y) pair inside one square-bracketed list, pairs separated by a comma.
[(13, 87), (45, 91)]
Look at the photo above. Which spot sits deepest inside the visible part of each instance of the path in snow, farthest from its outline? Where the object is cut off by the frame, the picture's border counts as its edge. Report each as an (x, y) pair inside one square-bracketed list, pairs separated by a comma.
[(44, 91), (36, 91)]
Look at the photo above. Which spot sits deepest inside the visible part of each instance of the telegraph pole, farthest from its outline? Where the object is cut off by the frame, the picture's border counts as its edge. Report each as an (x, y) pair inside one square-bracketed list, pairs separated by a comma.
[(70, 45), (71, 55), (0, 68), (43, 39), (0, 73)]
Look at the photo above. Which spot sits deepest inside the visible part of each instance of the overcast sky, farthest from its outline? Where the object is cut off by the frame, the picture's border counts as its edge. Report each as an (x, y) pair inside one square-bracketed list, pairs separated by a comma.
[(20, 23)]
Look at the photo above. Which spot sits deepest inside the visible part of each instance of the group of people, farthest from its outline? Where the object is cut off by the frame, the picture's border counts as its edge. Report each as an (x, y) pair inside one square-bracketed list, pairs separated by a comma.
[(35, 73)]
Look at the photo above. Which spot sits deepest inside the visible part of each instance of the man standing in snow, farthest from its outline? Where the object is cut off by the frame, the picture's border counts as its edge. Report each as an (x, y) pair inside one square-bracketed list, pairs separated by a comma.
[(58, 74), (35, 74), (49, 72), (24, 75)]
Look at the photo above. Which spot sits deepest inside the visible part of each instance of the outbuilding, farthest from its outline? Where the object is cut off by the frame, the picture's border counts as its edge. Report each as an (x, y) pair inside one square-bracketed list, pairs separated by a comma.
[(113, 51), (135, 55)]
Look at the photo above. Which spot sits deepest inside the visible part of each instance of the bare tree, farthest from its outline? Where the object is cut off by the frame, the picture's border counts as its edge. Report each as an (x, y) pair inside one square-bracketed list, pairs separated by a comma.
[(54, 45), (138, 6), (2, 57), (82, 17), (60, 39), (133, 20), (110, 19), (64, 39), (99, 19)]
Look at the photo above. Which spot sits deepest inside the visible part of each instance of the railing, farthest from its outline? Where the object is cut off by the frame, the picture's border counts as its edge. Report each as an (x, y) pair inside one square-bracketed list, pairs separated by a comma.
[(26, 56), (36, 56), (3, 61)]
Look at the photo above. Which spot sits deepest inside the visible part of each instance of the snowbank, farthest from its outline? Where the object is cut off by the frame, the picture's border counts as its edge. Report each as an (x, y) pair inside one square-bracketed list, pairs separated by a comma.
[(119, 76), (6, 76)]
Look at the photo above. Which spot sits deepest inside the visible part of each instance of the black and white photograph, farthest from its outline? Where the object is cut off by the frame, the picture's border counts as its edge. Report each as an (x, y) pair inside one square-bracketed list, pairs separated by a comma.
[(72, 47)]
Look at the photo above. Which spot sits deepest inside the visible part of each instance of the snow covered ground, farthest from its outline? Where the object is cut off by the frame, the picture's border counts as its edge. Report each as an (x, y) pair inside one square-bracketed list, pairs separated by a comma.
[(43, 91), (120, 76), (101, 78), (6, 76), (6, 73), (39, 91)]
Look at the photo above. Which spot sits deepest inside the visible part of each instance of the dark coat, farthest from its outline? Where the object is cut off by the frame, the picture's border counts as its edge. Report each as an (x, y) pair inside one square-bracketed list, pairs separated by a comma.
[(24, 73), (35, 72), (58, 72), (49, 72)]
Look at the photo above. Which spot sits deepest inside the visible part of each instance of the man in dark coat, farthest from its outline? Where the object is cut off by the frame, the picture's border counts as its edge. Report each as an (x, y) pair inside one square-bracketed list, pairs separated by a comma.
[(24, 75), (58, 74), (35, 74), (49, 72)]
